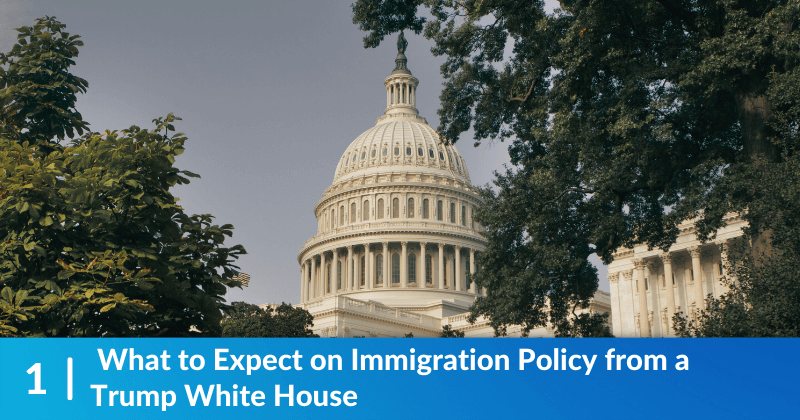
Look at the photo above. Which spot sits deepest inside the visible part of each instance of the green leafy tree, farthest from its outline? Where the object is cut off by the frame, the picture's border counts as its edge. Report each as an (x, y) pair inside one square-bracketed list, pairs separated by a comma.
[(93, 241), (246, 320), (448, 332), (624, 118), (37, 100), (764, 297)]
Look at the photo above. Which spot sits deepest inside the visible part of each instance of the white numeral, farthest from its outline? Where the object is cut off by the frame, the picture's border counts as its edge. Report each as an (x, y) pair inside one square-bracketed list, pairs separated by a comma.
[(36, 369)]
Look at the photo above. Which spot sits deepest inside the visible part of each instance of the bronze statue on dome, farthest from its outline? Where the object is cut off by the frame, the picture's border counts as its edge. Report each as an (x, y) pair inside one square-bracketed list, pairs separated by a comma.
[(401, 43)]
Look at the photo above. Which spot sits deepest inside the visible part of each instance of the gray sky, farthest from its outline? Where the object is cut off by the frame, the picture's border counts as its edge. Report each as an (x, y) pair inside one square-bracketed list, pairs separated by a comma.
[(271, 94)]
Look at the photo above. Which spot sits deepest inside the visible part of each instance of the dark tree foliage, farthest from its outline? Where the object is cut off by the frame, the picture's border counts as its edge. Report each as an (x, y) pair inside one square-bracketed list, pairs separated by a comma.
[(92, 240), (246, 320), (448, 332), (764, 300), (625, 118)]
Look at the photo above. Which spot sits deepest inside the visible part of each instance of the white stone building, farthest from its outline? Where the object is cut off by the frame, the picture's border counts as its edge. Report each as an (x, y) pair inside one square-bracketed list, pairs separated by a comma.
[(396, 235), (675, 281)]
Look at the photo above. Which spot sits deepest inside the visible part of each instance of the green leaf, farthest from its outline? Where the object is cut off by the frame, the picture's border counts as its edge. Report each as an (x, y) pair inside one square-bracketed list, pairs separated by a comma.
[(108, 307)]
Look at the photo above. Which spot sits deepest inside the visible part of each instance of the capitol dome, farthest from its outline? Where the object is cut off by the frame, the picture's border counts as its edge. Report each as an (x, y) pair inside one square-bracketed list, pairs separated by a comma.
[(396, 237)]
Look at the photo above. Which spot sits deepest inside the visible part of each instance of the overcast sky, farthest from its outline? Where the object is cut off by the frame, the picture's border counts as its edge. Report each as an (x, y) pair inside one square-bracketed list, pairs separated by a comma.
[(271, 94)]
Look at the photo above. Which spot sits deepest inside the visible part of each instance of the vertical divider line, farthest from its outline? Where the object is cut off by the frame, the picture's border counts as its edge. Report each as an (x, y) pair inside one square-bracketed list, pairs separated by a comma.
[(69, 378)]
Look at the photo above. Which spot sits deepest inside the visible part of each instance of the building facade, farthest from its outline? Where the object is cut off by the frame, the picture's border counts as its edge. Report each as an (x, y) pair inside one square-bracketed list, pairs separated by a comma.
[(648, 286), (396, 237)]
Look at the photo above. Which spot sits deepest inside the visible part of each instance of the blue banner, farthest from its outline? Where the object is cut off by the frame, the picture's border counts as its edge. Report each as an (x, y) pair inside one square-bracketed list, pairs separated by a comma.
[(398, 378)]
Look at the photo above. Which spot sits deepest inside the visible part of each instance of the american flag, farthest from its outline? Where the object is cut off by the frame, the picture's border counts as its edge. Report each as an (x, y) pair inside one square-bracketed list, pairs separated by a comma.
[(241, 277)]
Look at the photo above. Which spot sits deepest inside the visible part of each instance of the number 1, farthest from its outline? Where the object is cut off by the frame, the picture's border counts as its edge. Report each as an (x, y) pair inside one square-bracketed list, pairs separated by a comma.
[(36, 369)]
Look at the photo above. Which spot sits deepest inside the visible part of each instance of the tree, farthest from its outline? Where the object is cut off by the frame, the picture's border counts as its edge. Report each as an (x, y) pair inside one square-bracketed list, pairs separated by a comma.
[(94, 243), (246, 320), (625, 118), (764, 296), (448, 332)]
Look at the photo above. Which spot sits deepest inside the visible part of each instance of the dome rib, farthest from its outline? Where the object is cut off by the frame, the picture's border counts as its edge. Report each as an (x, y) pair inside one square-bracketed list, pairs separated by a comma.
[(401, 134)]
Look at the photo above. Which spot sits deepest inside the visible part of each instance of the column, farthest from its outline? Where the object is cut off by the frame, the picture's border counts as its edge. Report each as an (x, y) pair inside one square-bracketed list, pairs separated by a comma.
[(335, 268), (423, 267), (441, 266), (457, 270), (313, 286), (349, 275), (367, 267), (667, 259), (323, 286), (628, 311), (404, 265), (303, 282), (472, 287), (616, 326), (655, 299), (727, 276), (644, 324), (356, 271), (388, 97), (386, 279), (697, 273)]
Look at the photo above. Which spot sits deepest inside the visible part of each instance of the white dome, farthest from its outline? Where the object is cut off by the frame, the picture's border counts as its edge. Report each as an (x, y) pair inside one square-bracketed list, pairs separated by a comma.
[(397, 225), (400, 144)]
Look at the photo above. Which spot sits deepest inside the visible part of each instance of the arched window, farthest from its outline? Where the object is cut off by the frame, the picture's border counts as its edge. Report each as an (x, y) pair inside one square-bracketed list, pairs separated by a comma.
[(333, 217), (412, 268), (341, 215), (395, 268), (439, 215), (430, 153), (363, 270), (408, 151), (384, 152), (395, 208), (352, 212), (452, 212), (425, 210), (410, 210), (339, 278), (365, 211), (420, 152), (380, 209), (379, 269), (428, 276), (396, 151), (463, 215)]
